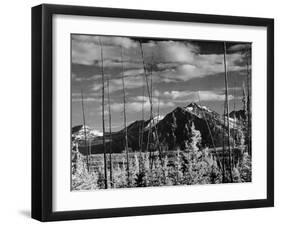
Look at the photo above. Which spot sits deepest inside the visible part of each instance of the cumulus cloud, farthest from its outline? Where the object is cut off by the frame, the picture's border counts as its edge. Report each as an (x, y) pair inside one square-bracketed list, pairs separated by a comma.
[(129, 82), (156, 93), (239, 47), (86, 49), (135, 104), (192, 96), (134, 72), (170, 61), (97, 87), (87, 99), (212, 96), (132, 79), (90, 78), (105, 40), (174, 51), (202, 66)]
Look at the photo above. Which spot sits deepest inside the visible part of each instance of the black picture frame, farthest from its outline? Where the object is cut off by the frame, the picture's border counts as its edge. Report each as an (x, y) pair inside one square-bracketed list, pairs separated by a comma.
[(42, 107)]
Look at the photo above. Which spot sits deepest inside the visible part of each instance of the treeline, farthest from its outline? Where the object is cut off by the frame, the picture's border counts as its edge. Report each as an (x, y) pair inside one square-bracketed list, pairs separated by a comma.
[(193, 165)]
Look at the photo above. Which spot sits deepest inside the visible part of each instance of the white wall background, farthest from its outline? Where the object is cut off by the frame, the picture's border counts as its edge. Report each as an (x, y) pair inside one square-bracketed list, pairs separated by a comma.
[(15, 113)]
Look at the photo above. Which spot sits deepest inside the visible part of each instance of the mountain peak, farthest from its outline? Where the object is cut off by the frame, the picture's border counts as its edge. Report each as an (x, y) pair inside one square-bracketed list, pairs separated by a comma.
[(80, 130), (194, 106)]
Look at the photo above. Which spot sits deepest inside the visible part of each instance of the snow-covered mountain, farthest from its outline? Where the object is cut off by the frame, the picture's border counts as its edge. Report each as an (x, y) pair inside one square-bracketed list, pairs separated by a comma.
[(79, 132), (171, 130), (153, 122), (201, 111)]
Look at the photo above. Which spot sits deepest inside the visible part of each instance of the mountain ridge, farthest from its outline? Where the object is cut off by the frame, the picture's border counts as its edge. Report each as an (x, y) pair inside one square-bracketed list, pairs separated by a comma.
[(171, 130)]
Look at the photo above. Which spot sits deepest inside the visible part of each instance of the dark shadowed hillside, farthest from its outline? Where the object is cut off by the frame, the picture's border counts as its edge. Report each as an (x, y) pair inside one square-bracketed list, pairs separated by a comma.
[(172, 131)]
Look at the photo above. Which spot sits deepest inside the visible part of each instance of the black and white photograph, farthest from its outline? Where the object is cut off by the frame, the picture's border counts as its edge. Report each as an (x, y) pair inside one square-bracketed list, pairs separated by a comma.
[(143, 111), (149, 112)]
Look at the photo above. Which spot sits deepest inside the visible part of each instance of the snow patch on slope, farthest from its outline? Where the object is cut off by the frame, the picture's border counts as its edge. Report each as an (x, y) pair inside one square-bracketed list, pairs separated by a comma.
[(153, 122)]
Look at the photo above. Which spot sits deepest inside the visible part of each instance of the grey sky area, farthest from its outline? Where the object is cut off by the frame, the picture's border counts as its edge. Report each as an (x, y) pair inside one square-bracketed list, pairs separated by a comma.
[(182, 72)]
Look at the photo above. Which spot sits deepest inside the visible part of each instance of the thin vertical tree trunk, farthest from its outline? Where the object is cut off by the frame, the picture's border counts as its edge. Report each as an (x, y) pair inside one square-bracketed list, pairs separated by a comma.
[(223, 144), (125, 120), (110, 136), (249, 104), (103, 120), (85, 134), (141, 159), (234, 124), (245, 121), (158, 145), (156, 132), (142, 115), (148, 91), (227, 113), (145, 73), (209, 129), (150, 133), (89, 151), (208, 126), (234, 110)]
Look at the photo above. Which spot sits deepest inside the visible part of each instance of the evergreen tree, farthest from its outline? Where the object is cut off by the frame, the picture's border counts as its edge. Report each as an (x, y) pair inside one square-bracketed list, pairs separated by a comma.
[(82, 179), (177, 172), (142, 177), (245, 168), (156, 173), (198, 166), (191, 157), (236, 175), (120, 174), (134, 169), (240, 137), (74, 156), (165, 172)]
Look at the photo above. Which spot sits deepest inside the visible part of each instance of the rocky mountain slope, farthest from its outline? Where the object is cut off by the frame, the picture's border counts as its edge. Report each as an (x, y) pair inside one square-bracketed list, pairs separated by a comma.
[(171, 130)]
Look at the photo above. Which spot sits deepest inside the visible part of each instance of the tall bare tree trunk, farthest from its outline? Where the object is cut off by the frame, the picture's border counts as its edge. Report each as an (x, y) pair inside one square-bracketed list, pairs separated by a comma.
[(209, 129), (110, 136), (142, 115), (125, 120), (227, 113), (156, 132), (85, 134), (234, 110), (103, 121), (223, 144), (145, 73), (249, 102), (149, 96), (89, 151), (208, 126), (141, 132), (150, 133)]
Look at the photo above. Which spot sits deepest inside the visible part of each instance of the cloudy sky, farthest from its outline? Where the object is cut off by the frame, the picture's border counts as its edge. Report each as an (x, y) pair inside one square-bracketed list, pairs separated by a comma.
[(182, 71)]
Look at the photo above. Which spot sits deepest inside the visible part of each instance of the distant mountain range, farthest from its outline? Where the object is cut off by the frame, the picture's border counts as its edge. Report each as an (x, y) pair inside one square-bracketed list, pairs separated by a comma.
[(170, 129)]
